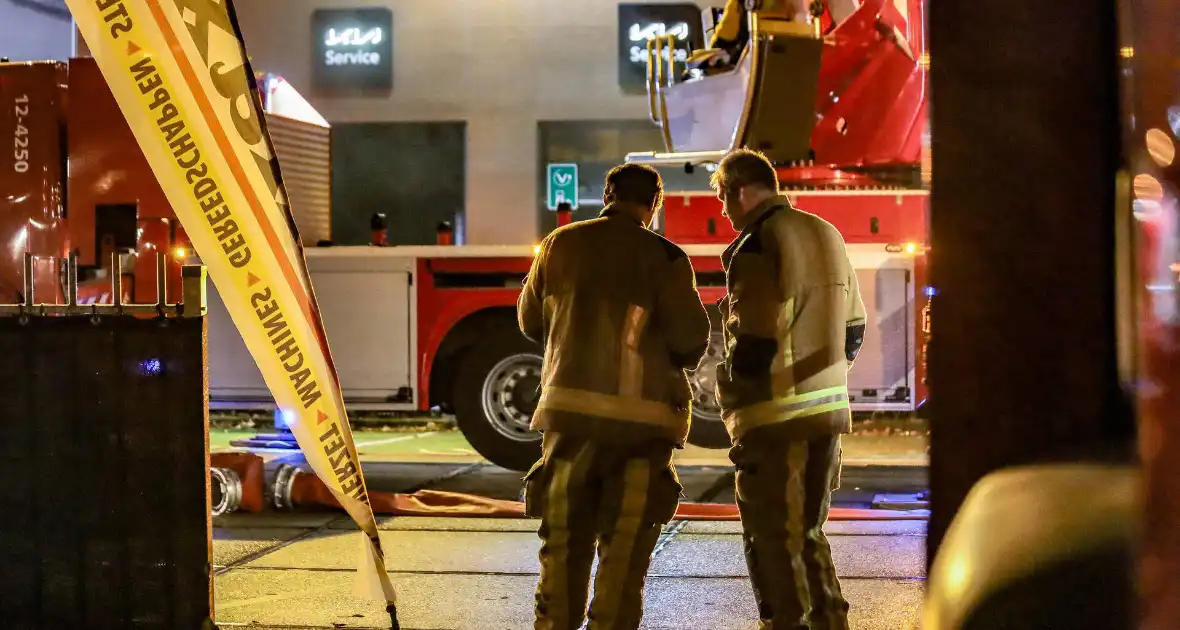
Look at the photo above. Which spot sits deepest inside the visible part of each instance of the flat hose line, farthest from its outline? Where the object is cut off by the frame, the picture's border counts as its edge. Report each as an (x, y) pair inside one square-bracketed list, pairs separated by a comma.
[(294, 488)]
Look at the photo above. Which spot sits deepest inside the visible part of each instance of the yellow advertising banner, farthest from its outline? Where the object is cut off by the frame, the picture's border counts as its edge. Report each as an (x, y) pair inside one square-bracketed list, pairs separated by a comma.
[(179, 72)]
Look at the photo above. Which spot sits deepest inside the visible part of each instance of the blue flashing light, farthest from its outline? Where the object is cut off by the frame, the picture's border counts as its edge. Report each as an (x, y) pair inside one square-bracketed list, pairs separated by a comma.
[(151, 367), (284, 418), (930, 291)]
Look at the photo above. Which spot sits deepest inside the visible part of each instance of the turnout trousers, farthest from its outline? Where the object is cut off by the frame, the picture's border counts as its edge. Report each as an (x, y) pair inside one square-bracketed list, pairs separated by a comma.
[(593, 496), (784, 490)]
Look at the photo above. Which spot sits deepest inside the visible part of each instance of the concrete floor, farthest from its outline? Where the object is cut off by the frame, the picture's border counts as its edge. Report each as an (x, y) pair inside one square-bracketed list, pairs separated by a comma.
[(283, 570)]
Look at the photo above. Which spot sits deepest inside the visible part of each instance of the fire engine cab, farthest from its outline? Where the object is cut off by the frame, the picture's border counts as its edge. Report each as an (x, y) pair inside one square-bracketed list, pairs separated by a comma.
[(838, 103)]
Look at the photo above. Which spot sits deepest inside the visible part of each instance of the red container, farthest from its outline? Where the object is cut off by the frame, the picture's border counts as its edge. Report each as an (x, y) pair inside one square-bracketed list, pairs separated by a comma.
[(32, 107)]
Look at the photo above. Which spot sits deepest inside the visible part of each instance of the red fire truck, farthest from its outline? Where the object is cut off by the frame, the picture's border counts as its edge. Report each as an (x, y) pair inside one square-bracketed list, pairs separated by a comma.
[(840, 104)]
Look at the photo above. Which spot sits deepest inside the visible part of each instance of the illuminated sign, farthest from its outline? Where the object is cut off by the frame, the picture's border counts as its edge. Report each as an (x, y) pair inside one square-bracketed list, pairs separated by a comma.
[(641, 34), (639, 23), (352, 37), (353, 49)]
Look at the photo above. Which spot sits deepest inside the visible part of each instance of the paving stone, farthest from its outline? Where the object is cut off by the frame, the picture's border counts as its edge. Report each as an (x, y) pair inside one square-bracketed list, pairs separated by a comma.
[(284, 520), (833, 528), (402, 477), (429, 551), (447, 523), (231, 545), (516, 552), (712, 555), (698, 481), (728, 604), (324, 599), (451, 524), (491, 481)]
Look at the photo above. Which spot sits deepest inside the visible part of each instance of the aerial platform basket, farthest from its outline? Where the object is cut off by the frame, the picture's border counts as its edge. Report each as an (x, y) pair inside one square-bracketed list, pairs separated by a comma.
[(853, 98), (765, 102)]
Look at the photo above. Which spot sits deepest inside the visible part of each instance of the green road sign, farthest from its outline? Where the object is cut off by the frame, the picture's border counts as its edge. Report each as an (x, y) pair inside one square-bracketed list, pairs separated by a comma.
[(562, 185)]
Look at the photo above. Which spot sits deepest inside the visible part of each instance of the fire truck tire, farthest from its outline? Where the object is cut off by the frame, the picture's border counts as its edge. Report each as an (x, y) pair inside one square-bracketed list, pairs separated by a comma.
[(707, 430), (496, 392), (708, 433)]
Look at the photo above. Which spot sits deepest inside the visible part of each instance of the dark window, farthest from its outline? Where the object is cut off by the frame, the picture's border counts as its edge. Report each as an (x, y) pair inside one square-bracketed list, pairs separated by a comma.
[(413, 172), (596, 146), (115, 227)]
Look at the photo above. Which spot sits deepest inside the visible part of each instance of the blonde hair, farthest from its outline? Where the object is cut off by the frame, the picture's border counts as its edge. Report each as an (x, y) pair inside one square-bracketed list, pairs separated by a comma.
[(742, 168)]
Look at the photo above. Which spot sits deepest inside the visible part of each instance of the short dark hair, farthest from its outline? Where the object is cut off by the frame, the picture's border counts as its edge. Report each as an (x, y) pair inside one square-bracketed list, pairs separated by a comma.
[(634, 183), (744, 167)]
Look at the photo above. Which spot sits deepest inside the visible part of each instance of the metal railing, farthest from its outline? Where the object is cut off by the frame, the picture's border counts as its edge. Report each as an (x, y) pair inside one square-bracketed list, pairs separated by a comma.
[(659, 78), (193, 301), (108, 407)]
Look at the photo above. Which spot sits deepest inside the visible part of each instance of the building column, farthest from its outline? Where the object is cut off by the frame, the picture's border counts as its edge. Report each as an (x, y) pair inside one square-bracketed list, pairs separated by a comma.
[(80, 47), (501, 188)]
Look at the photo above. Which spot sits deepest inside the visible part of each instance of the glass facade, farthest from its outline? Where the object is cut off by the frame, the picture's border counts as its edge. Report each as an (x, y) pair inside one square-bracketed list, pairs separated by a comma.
[(412, 172)]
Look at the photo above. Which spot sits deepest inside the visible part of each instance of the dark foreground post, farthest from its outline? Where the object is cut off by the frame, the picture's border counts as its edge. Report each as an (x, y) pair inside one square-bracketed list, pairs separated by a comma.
[(104, 466), (1150, 50), (1026, 151)]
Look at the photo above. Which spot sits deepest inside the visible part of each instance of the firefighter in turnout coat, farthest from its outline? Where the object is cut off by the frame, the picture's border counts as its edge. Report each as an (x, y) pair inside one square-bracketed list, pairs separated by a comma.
[(793, 323), (731, 34), (616, 308)]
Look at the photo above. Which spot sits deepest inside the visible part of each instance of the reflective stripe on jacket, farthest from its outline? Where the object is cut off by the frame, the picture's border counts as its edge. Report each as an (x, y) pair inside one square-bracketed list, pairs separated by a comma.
[(793, 322), (617, 309)]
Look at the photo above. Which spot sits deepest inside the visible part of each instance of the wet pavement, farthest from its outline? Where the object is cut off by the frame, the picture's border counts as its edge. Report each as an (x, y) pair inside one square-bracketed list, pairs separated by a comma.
[(446, 446), (296, 570)]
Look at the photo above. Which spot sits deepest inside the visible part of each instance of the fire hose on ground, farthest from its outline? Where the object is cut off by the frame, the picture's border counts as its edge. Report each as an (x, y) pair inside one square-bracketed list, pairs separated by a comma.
[(238, 484), (236, 481)]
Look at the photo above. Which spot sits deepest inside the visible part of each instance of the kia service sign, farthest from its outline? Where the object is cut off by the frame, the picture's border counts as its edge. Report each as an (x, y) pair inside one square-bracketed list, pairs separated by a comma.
[(353, 49), (639, 23)]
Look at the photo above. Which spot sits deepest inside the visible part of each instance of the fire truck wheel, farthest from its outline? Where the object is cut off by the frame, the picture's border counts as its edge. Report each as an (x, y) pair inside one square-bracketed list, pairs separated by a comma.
[(496, 393), (707, 430)]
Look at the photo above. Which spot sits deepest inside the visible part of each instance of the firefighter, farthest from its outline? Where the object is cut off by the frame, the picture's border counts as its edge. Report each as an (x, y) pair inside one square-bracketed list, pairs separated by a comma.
[(732, 32), (615, 306), (793, 324)]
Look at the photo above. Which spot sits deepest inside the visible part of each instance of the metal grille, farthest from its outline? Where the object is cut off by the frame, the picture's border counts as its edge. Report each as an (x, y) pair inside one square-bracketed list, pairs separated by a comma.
[(304, 152), (105, 473)]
